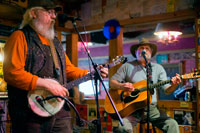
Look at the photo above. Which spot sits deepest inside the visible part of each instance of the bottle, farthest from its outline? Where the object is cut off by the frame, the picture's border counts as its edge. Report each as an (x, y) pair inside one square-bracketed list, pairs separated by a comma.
[(187, 96)]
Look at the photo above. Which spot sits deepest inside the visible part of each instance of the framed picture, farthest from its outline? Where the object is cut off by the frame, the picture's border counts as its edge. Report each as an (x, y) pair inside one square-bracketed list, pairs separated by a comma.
[(162, 58)]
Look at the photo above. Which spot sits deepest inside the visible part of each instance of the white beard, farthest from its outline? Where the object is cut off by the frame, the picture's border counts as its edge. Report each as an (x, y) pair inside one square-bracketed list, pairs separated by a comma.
[(43, 29)]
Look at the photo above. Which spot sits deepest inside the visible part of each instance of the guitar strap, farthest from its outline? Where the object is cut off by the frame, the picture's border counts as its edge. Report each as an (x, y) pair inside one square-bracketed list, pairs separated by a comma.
[(55, 57)]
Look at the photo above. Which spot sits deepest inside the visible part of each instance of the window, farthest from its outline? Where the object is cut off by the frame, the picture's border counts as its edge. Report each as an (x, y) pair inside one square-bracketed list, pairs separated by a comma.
[(89, 90)]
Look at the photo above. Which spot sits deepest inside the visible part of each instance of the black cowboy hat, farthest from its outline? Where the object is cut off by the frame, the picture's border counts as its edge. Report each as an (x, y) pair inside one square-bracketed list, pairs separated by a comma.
[(47, 4), (141, 43)]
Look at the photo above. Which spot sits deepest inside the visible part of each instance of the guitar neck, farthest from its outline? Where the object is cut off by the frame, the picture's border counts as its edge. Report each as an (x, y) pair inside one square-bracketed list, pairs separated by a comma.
[(111, 65), (152, 86), (186, 76), (85, 78), (90, 75)]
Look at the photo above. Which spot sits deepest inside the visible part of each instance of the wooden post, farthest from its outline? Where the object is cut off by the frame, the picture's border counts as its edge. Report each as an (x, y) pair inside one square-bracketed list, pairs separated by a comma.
[(115, 49), (72, 48), (72, 53), (59, 35), (197, 38)]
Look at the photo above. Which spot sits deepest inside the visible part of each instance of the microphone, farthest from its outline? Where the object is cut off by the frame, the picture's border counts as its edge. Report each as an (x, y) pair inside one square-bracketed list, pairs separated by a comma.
[(143, 52), (39, 100), (64, 18)]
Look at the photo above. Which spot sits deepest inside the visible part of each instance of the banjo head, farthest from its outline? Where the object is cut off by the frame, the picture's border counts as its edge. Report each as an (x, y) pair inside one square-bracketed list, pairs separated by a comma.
[(48, 107)]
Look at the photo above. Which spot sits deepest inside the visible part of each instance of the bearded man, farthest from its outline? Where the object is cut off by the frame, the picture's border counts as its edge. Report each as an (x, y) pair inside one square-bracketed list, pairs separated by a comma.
[(29, 59)]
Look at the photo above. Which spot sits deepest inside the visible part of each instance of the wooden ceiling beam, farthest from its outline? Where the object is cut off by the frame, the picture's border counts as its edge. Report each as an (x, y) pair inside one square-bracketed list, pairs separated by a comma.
[(9, 22), (3, 38), (62, 29), (164, 17)]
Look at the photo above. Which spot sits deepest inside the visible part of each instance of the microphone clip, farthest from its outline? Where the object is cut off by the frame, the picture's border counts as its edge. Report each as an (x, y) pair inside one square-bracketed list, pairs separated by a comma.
[(62, 18)]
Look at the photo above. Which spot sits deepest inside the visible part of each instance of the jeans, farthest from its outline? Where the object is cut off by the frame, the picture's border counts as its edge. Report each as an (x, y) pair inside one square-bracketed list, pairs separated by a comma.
[(156, 117)]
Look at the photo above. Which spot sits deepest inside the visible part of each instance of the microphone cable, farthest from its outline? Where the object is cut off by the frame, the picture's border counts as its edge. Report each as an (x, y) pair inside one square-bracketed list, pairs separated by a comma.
[(79, 121)]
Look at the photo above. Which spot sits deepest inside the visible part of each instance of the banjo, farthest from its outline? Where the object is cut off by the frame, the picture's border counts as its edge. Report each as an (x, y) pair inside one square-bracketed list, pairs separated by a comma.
[(46, 108)]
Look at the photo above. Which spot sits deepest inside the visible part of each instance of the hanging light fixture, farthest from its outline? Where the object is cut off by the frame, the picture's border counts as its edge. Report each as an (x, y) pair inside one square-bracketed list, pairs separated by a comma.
[(167, 32)]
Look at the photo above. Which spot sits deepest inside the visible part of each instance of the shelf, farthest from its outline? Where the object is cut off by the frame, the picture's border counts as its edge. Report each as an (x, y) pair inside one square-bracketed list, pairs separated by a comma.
[(3, 95), (177, 104)]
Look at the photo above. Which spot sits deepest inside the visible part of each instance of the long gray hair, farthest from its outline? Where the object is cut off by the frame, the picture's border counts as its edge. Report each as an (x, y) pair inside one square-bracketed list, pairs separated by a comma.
[(38, 27), (27, 17)]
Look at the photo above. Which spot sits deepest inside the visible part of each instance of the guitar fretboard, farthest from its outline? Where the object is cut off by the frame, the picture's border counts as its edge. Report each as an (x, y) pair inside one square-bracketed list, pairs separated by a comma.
[(186, 76), (152, 86), (85, 78)]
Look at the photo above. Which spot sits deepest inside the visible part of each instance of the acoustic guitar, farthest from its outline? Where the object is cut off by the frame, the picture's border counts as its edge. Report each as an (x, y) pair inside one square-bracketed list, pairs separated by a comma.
[(127, 103), (52, 106)]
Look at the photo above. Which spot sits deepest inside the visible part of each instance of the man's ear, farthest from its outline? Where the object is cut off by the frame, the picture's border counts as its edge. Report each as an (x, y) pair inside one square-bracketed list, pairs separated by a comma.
[(33, 14)]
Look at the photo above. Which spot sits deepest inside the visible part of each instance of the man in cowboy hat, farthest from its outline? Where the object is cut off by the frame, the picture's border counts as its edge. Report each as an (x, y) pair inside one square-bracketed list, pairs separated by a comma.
[(135, 71), (28, 60)]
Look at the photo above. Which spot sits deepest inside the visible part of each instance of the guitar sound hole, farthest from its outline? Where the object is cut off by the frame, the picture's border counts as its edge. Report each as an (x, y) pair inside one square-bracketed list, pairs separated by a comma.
[(129, 99), (135, 93), (132, 97)]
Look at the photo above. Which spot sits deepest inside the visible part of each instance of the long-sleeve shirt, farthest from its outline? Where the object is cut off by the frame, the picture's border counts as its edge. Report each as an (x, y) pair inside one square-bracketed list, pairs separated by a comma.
[(14, 63)]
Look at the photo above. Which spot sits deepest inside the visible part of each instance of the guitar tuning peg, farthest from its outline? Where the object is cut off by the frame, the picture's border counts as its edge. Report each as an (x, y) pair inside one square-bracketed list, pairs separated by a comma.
[(194, 71)]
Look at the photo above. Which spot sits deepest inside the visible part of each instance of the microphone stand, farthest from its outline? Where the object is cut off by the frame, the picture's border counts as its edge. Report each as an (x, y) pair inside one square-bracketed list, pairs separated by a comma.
[(98, 121), (97, 77), (149, 81)]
